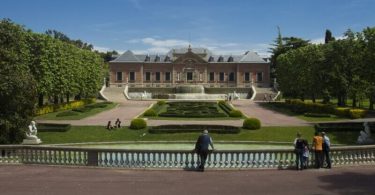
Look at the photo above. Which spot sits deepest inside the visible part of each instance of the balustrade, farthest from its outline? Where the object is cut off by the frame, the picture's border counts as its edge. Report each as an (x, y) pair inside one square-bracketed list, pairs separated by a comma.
[(175, 159)]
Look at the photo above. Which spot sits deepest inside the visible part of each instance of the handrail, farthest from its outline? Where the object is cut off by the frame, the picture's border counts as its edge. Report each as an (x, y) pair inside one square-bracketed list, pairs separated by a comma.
[(187, 159)]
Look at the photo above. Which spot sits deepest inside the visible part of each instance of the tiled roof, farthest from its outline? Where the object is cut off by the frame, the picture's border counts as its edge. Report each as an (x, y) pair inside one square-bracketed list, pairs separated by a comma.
[(248, 57)]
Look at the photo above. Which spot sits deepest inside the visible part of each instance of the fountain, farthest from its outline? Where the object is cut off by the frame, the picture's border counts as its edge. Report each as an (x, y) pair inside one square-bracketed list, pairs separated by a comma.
[(193, 92)]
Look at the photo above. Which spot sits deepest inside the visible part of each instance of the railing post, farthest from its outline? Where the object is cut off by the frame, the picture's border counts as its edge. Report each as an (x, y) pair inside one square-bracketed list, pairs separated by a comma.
[(92, 158)]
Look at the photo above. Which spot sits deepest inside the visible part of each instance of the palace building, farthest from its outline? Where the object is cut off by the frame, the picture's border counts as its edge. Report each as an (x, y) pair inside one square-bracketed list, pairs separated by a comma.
[(189, 66)]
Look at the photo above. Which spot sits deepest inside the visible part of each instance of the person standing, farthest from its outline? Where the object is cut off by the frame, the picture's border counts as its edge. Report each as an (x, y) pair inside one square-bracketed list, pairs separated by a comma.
[(318, 150), (306, 154), (326, 149), (298, 149), (118, 123), (201, 147)]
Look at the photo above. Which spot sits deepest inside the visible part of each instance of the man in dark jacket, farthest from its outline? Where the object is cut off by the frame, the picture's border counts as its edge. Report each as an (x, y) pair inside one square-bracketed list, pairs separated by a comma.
[(201, 147)]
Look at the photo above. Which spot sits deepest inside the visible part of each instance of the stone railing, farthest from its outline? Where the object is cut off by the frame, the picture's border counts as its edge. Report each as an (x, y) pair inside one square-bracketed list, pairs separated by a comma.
[(175, 159)]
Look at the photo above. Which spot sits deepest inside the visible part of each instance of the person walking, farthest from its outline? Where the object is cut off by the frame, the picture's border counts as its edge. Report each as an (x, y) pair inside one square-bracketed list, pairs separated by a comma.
[(326, 149), (306, 154), (318, 150), (201, 147), (298, 149)]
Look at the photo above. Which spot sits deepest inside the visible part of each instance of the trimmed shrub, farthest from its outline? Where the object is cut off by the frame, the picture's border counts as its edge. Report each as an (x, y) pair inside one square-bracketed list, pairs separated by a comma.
[(357, 113), (66, 113), (220, 129), (251, 123), (316, 115), (161, 102), (50, 127), (138, 123), (150, 112), (343, 112), (235, 113)]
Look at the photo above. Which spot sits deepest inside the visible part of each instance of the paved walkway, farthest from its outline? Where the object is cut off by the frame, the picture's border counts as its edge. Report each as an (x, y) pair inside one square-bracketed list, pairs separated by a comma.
[(39, 180), (127, 110)]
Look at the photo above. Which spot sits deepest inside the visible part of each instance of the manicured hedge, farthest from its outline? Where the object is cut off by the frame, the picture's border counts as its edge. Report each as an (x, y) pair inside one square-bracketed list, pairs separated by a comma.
[(343, 126), (192, 110), (235, 113), (50, 127), (150, 112), (220, 129), (223, 105), (251, 124), (317, 115), (300, 107), (138, 123), (161, 102)]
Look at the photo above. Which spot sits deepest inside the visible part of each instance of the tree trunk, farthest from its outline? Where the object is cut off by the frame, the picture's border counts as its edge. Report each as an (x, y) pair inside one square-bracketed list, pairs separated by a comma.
[(40, 100), (67, 97), (354, 103), (56, 99), (371, 106), (61, 99), (313, 98)]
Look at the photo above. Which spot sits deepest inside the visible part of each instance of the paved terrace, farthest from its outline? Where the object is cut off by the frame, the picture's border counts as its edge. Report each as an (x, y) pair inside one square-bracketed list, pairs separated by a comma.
[(39, 180), (127, 110)]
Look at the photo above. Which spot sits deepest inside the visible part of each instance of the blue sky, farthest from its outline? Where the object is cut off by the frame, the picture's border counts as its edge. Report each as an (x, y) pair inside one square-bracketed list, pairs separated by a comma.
[(224, 26)]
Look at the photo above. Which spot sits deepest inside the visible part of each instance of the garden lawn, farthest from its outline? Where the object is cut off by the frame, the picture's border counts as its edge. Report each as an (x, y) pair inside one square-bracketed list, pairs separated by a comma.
[(78, 116), (81, 134)]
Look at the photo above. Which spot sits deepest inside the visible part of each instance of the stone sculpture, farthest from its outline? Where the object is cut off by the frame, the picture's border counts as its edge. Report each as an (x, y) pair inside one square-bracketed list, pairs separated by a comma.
[(365, 135), (31, 135)]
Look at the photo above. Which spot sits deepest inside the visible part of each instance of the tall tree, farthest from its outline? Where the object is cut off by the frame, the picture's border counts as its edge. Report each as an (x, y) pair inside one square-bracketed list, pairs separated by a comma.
[(328, 37), (17, 86)]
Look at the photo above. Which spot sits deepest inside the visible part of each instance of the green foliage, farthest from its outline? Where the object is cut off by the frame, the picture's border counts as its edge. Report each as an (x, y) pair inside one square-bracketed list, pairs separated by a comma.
[(150, 112), (77, 105), (138, 123), (224, 105), (235, 113), (317, 115), (17, 85), (161, 102), (357, 113), (251, 124)]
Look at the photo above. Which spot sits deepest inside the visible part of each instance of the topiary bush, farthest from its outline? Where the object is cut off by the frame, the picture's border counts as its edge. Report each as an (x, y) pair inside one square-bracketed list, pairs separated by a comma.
[(235, 113), (161, 102), (138, 123), (318, 115), (251, 123), (150, 112)]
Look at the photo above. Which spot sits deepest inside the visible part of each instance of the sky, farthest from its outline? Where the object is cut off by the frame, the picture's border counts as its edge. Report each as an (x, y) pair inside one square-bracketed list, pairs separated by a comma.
[(223, 26)]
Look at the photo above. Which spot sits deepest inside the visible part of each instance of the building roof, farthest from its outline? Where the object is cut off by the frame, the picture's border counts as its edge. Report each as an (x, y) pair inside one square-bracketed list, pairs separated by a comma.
[(205, 54)]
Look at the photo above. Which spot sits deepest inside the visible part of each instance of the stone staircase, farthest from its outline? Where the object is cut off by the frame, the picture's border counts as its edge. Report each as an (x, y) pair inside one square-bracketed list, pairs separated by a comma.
[(115, 94), (264, 91)]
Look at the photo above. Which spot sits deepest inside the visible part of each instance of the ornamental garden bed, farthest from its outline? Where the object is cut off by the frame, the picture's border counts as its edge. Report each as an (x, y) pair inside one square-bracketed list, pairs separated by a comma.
[(50, 127), (220, 129), (192, 110)]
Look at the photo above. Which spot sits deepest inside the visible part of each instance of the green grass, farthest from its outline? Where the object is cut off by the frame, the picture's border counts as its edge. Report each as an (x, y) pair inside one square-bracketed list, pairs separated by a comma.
[(81, 134), (80, 115)]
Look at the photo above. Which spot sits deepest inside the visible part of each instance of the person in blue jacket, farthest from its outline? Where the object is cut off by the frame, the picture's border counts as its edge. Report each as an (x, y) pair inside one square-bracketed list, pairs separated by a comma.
[(201, 147)]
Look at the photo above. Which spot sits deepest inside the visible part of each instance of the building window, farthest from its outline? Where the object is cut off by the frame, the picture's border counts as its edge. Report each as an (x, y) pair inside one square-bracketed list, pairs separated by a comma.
[(131, 76), (148, 76), (212, 76), (221, 76), (259, 76), (167, 76), (119, 76), (178, 76), (247, 76), (189, 76), (231, 76), (200, 76), (157, 76)]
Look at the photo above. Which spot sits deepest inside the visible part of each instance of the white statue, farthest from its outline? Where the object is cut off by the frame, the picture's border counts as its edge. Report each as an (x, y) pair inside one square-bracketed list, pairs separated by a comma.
[(31, 137), (365, 135)]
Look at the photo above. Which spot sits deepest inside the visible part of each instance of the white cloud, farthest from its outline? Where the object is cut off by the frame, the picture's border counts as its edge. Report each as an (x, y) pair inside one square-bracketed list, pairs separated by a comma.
[(101, 49), (321, 40), (165, 43)]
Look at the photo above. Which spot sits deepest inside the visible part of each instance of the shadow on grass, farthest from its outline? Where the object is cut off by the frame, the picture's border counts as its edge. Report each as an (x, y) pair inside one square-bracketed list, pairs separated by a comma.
[(349, 183)]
